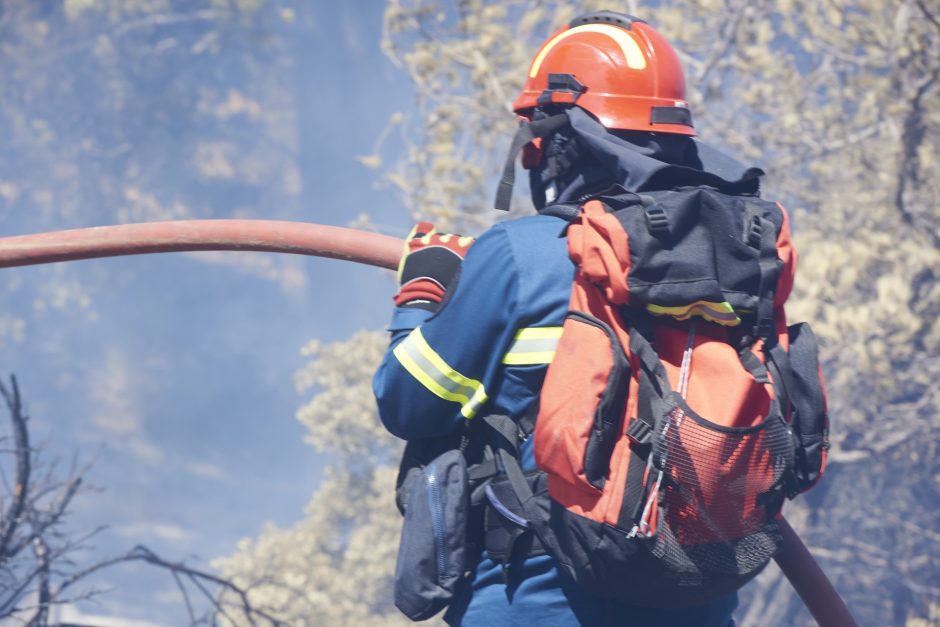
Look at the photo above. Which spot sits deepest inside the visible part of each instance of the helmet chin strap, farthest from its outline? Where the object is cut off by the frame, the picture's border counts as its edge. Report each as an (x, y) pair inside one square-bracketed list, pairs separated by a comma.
[(527, 132)]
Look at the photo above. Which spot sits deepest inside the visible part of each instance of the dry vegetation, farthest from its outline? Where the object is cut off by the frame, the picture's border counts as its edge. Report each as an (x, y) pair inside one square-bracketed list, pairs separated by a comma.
[(840, 102)]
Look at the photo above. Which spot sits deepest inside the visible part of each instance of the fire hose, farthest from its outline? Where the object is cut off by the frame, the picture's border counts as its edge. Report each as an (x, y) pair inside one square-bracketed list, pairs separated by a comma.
[(794, 559)]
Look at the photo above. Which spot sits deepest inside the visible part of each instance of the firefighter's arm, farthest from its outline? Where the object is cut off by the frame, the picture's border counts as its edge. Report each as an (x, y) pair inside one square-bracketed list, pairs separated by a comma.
[(441, 369)]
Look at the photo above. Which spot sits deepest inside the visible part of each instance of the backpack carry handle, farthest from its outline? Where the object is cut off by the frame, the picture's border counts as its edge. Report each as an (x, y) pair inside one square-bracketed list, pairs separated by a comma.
[(810, 582)]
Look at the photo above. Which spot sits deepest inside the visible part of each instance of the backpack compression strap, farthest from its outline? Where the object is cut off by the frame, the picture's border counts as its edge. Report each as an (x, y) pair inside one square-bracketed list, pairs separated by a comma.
[(565, 211), (505, 433), (762, 236), (653, 388), (763, 229)]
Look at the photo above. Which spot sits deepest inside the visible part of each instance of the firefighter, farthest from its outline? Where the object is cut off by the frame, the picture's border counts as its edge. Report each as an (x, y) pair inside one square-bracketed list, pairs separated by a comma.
[(475, 326)]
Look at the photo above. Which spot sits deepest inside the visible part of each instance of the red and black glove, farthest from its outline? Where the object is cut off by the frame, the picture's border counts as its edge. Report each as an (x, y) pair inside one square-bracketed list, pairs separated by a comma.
[(429, 265)]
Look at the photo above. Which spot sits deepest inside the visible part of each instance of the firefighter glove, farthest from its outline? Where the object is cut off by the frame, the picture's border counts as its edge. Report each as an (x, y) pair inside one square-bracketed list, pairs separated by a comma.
[(429, 265)]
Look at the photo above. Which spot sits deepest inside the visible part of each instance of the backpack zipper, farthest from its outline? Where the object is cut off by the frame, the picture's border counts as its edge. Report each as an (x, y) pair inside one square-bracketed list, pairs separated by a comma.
[(437, 518)]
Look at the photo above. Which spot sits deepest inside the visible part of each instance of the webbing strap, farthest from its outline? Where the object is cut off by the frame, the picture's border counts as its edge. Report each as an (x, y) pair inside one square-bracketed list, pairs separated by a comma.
[(526, 133), (526, 424), (565, 211), (752, 363), (520, 486), (768, 280), (633, 491), (653, 382), (505, 430), (653, 388), (484, 470)]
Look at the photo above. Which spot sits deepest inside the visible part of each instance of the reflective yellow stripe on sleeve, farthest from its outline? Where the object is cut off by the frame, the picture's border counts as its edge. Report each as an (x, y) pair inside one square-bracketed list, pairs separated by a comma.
[(533, 346), (420, 360)]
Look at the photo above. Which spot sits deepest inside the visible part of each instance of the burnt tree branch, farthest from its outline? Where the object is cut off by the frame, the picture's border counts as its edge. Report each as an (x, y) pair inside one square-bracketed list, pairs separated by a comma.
[(12, 517), (37, 569)]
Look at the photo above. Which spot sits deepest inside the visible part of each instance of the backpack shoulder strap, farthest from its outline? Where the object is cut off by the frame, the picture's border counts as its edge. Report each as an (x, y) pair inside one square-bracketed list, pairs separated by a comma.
[(565, 211), (504, 438)]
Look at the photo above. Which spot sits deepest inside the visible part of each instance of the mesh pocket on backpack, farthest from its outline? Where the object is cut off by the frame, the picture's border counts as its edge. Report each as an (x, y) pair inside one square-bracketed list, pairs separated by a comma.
[(720, 492)]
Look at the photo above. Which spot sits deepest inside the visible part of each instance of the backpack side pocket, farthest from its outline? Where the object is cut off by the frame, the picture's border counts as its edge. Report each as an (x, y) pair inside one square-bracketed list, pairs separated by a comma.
[(809, 418)]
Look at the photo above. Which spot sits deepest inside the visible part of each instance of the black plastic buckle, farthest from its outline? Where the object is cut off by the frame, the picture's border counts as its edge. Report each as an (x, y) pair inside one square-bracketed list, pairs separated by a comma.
[(764, 329), (657, 221), (640, 432), (791, 484), (561, 84)]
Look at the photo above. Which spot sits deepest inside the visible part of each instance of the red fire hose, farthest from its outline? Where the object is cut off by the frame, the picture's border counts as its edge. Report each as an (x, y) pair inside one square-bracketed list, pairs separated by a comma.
[(795, 560), (810, 582), (187, 235)]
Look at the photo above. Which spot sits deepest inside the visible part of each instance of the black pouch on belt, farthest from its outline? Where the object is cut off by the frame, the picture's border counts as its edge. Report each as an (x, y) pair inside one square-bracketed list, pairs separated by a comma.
[(433, 554)]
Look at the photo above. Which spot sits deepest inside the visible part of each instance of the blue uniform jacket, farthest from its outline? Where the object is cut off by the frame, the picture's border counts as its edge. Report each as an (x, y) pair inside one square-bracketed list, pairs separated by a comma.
[(486, 350)]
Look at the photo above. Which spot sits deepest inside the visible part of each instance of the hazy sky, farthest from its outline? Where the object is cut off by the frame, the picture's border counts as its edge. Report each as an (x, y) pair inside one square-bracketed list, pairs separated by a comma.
[(176, 376)]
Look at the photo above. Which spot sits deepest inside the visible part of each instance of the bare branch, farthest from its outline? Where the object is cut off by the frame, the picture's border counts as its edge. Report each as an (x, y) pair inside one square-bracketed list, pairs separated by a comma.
[(912, 136), (46, 577), (13, 518), (185, 595), (197, 576), (828, 147), (930, 16), (44, 594), (725, 39)]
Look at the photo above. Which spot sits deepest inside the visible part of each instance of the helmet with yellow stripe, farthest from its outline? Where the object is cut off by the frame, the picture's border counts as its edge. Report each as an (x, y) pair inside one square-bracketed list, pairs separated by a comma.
[(615, 66)]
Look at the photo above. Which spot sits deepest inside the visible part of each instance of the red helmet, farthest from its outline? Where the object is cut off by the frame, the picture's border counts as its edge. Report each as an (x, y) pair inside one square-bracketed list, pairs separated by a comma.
[(615, 66)]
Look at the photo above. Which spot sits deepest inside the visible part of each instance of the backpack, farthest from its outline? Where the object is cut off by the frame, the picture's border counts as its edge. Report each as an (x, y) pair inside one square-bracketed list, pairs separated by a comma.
[(680, 410)]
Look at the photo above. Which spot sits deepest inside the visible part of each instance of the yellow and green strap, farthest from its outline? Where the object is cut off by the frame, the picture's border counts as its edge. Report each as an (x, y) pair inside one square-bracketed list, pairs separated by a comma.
[(720, 313)]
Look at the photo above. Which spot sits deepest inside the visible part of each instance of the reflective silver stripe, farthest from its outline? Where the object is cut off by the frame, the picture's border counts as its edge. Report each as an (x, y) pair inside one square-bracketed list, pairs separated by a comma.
[(425, 365), (533, 345), (540, 345)]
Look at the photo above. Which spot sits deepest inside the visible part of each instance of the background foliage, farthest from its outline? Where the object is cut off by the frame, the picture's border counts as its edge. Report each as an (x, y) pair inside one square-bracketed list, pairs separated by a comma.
[(178, 367), (839, 101)]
